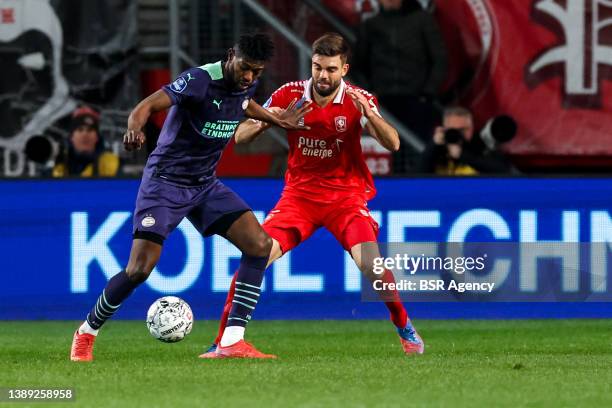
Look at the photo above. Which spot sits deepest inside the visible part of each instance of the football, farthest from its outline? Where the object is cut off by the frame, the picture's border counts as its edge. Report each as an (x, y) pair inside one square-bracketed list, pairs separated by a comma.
[(169, 319)]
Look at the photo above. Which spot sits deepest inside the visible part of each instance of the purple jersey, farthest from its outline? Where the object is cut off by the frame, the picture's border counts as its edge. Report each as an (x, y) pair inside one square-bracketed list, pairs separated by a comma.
[(199, 125)]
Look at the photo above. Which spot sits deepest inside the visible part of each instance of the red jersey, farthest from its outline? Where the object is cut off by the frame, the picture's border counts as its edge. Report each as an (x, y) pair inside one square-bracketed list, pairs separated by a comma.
[(325, 162)]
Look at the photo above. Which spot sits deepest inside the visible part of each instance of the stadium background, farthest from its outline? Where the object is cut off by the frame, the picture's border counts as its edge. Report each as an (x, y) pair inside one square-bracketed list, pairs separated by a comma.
[(108, 54)]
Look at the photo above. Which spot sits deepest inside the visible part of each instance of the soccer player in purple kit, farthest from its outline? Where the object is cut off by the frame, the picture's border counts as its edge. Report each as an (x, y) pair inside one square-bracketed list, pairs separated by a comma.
[(206, 105)]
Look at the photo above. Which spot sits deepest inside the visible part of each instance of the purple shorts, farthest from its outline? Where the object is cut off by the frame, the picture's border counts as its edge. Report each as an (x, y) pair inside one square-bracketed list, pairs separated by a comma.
[(161, 206)]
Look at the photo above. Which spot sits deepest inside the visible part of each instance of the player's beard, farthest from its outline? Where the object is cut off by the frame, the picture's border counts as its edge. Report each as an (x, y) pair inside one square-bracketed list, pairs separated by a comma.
[(326, 92)]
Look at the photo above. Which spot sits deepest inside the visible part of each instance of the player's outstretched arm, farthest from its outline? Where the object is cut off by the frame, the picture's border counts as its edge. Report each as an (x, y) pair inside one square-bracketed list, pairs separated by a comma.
[(290, 121), (386, 134), (249, 129), (134, 137)]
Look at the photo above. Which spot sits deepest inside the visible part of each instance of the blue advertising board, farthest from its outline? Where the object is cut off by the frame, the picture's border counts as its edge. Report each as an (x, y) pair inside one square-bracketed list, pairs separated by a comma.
[(61, 240)]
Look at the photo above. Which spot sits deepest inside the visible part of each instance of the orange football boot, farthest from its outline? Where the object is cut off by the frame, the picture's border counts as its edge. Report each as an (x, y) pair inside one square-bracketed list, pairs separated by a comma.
[(412, 343), (82, 347), (241, 349)]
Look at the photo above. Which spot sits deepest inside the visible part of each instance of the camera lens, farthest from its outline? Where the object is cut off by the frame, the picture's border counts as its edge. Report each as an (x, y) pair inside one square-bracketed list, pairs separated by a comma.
[(39, 149), (453, 136)]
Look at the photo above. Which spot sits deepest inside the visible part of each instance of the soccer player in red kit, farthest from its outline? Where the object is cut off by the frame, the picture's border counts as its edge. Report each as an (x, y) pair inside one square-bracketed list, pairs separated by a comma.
[(327, 183)]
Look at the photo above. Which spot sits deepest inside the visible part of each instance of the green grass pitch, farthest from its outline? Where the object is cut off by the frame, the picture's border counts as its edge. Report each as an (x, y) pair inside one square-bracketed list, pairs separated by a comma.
[(534, 363)]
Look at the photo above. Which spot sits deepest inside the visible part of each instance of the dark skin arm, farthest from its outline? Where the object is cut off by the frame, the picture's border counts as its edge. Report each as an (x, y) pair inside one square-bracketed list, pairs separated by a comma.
[(134, 138), (249, 130), (289, 121)]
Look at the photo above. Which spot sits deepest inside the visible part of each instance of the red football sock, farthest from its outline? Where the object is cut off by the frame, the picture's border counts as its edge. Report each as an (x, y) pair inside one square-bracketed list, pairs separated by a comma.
[(399, 317), (226, 309)]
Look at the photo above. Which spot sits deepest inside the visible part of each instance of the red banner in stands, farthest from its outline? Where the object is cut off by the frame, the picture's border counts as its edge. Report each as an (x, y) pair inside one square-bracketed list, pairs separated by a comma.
[(546, 63)]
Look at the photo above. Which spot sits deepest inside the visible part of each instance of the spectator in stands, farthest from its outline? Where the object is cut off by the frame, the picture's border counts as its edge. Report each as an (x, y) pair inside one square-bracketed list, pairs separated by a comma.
[(454, 151), (85, 155), (401, 57)]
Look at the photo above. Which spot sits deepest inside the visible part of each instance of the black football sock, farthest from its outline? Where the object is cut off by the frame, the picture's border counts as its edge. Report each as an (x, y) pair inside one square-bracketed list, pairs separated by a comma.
[(118, 288), (248, 288)]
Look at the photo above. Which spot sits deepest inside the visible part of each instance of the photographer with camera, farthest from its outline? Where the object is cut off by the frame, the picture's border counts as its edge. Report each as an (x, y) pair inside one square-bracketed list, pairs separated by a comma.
[(86, 155), (455, 151)]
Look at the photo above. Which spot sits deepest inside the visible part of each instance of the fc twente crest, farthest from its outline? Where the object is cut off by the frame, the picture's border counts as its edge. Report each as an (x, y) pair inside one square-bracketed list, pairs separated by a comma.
[(340, 123)]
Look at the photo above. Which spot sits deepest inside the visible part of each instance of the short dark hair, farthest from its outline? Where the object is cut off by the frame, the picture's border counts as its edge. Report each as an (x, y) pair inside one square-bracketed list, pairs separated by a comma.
[(330, 45), (457, 111), (255, 46)]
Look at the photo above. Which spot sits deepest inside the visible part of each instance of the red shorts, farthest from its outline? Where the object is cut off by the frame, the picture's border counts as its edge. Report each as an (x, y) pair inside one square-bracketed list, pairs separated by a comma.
[(295, 219)]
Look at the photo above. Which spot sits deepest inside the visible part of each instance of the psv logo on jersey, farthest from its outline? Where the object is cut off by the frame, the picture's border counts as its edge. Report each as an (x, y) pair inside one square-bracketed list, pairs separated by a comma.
[(340, 122)]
